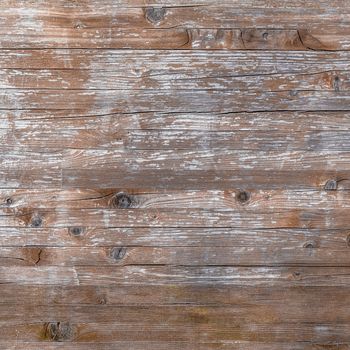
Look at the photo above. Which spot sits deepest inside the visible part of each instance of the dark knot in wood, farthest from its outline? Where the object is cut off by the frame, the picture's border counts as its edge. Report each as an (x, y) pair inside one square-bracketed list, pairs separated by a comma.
[(155, 14), (36, 221), (310, 245), (348, 240), (76, 231), (336, 83), (296, 275), (121, 201), (118, 253), (8, 201), (243, 196), (331, 185), (58, 331)]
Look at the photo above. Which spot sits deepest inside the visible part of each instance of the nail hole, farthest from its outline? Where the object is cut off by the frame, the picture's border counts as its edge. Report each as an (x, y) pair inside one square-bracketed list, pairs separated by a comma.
[(8, 201), (331, 185), (76, 231), (118, 253), (122, 201), (155, 14), (243, 196), (265, 35)]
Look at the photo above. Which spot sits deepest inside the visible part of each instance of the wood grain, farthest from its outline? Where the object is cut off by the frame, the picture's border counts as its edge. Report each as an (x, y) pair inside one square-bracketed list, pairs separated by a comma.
[(174, 174), (267, 25)]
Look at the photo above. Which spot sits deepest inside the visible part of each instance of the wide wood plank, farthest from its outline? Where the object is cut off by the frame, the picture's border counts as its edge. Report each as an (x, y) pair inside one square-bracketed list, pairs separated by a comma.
[(318, 131)]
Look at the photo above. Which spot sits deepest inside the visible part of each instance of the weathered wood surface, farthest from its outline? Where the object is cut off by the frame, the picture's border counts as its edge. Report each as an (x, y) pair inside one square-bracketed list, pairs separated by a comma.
[(192, 25), (174, 174)]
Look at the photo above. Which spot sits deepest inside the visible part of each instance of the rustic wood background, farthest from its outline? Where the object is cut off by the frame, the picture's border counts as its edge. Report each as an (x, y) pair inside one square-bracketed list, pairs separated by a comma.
[(175, 174)]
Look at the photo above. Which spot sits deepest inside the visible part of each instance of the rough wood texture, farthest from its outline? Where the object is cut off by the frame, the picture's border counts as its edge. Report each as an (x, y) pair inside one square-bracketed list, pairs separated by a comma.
[(174, 174)]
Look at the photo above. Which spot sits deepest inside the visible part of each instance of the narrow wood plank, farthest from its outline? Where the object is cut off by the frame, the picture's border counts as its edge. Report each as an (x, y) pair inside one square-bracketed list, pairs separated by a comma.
[(177, 38), (322, 198), (84, 25), (244, 218), (268, 255), (199, 179), (104, 137), (159, 345), (80, 236), (105, 178), (156, 65), (296, 122), (319, 333), (172, 80), (112, 101), (178, 316), (309, 297), (207, 159), (169, 275)]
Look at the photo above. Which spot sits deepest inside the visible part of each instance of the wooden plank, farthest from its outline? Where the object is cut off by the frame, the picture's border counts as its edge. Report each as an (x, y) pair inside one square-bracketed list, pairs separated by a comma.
[(112, 101), (177, 316), (77, 236), (229, 169), (200, 179), (159, 64), (332, 334), (107, 138), (169, 275), (105, 178), (190, 294), (111, 80), (318, 131), (159, 345), (319, 39), (277, 121), (143, 199), (84, 25), (243, 218), (99, 6), (268, 255), (207, 159)]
